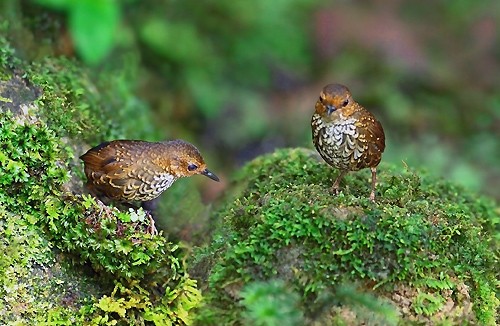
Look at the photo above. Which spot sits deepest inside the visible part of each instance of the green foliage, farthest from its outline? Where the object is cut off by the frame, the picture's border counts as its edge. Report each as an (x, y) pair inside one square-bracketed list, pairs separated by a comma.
[(92, 24), (69, 105), (6, 56), (364, 305), (76, 103), (116, 244), (45, 223), (178, 304), (28, 159), (21, 250), (427, 304), (487, 292), (270, 303), (32, 281), (424, 233), (125, 301)]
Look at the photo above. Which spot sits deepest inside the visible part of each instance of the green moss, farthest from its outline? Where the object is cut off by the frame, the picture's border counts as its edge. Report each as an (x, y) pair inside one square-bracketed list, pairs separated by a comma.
[(6, 56), (423, 244), (271, 303), (35, 277), (65, 258), (74, 102)]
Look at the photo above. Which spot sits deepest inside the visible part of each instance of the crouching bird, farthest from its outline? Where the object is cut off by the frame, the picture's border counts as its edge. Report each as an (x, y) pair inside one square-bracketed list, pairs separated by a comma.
[(134, 170)]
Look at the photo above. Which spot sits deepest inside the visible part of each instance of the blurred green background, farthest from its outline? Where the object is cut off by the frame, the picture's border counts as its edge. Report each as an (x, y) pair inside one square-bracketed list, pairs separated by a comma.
[(240, 78)]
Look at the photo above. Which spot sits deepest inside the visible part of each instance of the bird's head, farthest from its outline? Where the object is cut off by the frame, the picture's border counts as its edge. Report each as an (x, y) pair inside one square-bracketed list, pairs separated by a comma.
[(334, 100), (187, 160)]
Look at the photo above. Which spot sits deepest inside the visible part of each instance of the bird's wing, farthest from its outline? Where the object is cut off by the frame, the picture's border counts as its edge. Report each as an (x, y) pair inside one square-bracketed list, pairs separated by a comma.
[(111, 164), (372, 135)]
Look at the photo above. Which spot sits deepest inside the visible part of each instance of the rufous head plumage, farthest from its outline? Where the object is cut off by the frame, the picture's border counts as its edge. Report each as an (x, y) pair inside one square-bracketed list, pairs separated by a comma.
[(335, 99), (185, 160)]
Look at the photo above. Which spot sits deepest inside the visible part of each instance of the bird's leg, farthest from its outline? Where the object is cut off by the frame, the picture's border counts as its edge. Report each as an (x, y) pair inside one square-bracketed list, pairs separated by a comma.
[(374, 182), (336, 184), (150, 207), (151, 228), (108, 211)]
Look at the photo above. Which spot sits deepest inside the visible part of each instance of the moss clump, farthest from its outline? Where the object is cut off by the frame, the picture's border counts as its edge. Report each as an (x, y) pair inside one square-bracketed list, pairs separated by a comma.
[(425, 246)]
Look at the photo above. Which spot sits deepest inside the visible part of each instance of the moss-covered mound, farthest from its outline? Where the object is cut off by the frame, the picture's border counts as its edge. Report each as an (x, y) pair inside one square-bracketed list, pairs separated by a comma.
[(65, 259), (423, 252)]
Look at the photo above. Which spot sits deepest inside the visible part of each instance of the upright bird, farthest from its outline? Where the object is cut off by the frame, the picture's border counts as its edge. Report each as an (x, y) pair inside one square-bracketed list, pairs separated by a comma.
[(346, 135), (134, 170)]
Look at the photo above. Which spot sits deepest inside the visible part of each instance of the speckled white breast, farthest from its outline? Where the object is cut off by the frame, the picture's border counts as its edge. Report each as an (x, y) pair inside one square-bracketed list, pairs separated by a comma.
[(162, 182), (336, 142), (144, 188)]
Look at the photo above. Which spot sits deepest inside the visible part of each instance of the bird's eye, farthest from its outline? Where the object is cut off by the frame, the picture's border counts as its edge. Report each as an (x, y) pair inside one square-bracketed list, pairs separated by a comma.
[(320, 99), (345, 103), (192, 167)]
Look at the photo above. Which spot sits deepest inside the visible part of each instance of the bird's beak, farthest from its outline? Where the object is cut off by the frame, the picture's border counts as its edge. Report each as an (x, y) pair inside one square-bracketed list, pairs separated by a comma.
[(330, 109), (209, 174)]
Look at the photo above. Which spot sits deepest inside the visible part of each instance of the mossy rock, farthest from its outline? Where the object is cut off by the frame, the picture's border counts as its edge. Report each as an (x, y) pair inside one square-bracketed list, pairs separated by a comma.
[(65, 259), (424, 252)]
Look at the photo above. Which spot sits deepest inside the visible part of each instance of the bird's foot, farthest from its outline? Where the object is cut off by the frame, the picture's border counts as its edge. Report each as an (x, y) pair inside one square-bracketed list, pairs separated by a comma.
[(372, 196), (105, 209), (151, 229), (334, 190), (336, 184)]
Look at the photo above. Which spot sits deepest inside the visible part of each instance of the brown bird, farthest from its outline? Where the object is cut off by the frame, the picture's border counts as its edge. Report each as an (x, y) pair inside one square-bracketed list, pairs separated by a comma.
[(134, 170), (346, 135)]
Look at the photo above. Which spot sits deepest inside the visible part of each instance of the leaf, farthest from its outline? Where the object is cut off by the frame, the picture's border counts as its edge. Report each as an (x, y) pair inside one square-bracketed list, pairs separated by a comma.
[(124, 217), (341, 252), (108, 304), (93, 25), (52, 207)]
